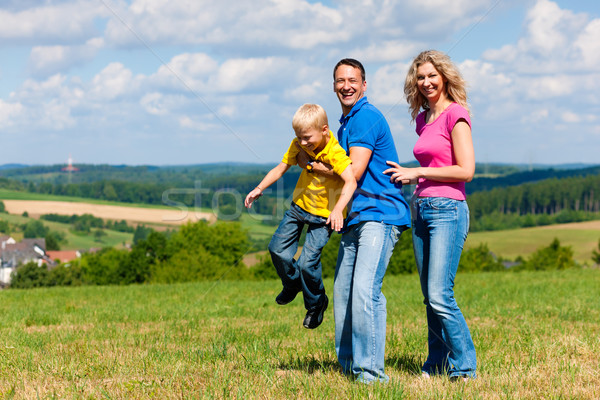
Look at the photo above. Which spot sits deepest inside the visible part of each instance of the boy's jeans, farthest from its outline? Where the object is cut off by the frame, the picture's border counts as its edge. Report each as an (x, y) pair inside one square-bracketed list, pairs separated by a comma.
[(359, 307), (304, 274), (440, 227)]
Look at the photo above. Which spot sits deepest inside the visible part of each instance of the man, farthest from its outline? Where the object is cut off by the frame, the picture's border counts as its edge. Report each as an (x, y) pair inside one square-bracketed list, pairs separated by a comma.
[(376, 217)]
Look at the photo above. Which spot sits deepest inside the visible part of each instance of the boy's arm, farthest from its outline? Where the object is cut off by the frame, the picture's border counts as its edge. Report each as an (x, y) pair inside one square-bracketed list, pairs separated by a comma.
[(336, 218), (269, 179)]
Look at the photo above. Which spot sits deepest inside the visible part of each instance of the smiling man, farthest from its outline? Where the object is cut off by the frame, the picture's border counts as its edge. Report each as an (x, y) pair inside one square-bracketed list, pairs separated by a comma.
[(377, 216)]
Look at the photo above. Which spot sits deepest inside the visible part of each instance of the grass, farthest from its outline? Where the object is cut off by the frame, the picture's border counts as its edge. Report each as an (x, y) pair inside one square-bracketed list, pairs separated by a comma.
[(522, 242), (228, 340)]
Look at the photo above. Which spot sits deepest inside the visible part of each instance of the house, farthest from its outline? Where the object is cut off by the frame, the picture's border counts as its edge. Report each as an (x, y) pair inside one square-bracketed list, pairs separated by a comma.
[(13, 254), (63, 256)]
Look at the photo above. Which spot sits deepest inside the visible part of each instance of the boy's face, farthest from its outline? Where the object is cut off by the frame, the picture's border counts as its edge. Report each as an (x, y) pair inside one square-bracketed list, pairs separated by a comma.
[(313, 139)]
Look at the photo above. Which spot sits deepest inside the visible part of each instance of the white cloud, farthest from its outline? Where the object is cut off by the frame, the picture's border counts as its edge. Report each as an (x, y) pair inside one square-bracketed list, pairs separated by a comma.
[(113, 81), (49, 60), (63, 23)]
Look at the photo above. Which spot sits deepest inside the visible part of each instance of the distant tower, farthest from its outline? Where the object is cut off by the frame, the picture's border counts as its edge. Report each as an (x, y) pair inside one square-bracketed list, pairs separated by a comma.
[(70, 168)]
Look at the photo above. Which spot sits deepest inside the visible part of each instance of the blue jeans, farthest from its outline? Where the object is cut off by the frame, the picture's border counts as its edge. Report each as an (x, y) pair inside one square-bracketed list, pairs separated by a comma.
[(305, 274), (359, 307), (440, 227)]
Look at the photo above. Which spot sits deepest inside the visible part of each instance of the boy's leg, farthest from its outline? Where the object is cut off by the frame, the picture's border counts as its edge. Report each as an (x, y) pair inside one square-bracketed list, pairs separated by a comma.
[(309, 264), (283, 247)]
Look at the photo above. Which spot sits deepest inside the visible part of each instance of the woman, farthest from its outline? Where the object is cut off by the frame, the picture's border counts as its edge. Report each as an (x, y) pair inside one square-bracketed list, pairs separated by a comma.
[(440, 216)]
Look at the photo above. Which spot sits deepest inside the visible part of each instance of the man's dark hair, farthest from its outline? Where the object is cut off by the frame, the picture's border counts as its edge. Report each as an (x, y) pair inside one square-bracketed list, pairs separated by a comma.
[(353, 63)]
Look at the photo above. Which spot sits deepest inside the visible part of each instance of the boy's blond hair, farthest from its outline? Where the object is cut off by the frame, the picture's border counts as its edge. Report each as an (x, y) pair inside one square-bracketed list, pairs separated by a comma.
[(309, 116)]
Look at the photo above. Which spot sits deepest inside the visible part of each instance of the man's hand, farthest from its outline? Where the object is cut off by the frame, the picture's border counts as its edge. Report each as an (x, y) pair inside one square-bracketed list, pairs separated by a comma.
[(336, 218), (302, 157)]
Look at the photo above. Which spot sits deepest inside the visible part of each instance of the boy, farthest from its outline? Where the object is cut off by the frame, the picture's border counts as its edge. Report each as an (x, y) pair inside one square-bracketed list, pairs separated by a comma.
[(317, 202)]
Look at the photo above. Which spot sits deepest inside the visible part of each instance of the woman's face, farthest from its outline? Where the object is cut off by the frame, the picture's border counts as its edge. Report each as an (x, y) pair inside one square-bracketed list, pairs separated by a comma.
[(430, 82)]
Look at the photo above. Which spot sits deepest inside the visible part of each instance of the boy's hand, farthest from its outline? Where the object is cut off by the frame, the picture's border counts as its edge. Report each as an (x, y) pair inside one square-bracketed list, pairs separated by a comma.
[(336, 218), (253, 195)]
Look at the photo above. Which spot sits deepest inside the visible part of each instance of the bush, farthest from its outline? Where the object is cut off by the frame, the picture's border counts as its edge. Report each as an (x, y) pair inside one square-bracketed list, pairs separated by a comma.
[(553, 257), (480, 259), (29, 276)]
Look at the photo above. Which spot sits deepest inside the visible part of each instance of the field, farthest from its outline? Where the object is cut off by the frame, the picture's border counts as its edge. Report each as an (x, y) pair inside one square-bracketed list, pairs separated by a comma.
[(36, 208), (582, 237), (537, 336)]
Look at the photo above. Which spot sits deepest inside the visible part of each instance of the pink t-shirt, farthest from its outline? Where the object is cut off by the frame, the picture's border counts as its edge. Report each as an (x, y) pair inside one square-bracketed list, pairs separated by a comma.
[(434, 149)]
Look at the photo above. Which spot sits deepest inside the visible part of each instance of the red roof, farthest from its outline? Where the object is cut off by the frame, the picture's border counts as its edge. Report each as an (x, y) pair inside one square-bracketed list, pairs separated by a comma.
[(63, 255)]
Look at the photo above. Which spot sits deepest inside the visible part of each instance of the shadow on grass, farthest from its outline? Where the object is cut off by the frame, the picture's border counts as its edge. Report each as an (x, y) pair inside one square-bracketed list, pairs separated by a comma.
[(409, 363)]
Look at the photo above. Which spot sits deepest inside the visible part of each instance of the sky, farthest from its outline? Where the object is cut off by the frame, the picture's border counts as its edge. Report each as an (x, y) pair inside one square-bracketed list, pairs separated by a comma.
[(173, 82)]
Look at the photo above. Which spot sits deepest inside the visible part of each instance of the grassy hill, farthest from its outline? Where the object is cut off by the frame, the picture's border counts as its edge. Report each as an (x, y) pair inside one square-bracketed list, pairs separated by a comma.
[(230, 340)]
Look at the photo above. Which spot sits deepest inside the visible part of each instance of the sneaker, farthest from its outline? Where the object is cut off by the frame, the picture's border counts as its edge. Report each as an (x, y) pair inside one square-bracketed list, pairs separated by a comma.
[(425, 375), (314, 317), (286, 296)]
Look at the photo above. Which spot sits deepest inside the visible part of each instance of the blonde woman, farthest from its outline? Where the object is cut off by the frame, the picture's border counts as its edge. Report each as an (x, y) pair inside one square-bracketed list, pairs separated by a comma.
[(437, 97)]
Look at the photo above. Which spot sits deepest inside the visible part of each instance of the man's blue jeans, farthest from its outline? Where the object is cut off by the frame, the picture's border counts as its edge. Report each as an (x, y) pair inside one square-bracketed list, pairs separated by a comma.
[(359, 307), (305, 274), (439, 228)]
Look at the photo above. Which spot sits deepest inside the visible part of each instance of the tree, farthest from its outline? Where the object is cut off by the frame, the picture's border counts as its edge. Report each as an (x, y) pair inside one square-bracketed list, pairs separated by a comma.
[(35, 229)]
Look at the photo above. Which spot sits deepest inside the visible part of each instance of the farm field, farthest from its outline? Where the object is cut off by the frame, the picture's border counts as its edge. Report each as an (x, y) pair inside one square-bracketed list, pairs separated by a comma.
[(138, 214), (582, 237), (231, 340)]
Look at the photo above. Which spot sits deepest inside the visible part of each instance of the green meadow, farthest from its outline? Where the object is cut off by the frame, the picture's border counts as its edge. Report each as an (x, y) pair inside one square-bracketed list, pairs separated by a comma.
[(583, 237), (537, 336)]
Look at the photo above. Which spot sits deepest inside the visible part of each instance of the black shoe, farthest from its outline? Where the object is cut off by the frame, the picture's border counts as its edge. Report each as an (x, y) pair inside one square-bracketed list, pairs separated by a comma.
[(314, 317), (286, 296)]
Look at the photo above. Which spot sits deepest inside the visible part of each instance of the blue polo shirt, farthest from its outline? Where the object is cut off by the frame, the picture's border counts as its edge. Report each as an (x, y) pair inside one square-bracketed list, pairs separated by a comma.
[(376, 198)]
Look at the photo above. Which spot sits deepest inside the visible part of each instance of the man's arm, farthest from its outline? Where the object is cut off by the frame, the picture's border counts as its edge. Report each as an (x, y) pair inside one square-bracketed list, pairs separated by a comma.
[(336, 218), (360, 157), (271, 177)]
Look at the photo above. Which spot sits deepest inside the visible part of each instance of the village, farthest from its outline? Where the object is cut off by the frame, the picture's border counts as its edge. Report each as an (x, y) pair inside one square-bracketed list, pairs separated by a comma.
[(14, 254)]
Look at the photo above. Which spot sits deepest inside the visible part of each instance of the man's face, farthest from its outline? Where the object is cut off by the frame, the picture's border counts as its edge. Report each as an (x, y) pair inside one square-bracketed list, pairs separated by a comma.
[(349, 86)]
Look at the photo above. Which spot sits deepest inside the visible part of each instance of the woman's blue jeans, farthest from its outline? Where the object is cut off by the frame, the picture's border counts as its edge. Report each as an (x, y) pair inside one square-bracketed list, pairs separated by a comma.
[(305, 274), (439, 228), (359, 307)]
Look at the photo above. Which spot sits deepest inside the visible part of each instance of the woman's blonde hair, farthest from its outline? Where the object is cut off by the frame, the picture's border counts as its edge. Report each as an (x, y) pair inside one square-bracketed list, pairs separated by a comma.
[(455, 84), (309, 116)]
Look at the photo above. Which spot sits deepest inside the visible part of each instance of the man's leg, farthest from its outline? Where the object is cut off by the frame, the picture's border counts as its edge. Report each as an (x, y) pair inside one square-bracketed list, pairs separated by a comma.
[(375, 246)]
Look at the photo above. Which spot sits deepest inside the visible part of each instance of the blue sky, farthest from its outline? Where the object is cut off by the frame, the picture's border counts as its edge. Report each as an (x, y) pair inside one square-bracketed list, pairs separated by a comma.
[(168, 82)]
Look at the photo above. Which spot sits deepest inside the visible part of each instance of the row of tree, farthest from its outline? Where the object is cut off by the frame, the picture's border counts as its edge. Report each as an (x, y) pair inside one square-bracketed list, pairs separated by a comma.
[(200, 252)]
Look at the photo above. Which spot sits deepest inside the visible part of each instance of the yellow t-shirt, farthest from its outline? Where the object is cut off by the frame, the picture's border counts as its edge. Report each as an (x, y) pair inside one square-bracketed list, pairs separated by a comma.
[(315, 193)]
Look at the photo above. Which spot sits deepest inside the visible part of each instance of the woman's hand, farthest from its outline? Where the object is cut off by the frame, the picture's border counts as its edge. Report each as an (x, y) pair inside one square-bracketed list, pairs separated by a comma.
[(405, 176)]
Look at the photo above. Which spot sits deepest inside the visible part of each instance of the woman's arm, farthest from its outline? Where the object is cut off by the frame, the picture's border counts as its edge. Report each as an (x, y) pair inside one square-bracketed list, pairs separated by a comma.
[(462, 171)]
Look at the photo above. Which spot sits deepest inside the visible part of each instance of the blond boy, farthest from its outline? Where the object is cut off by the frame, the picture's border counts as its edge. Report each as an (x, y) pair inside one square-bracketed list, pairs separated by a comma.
[(318, 202)]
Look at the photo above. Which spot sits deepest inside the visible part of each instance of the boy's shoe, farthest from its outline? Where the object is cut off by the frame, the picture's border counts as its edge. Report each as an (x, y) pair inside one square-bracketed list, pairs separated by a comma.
[(314, 317), (286, 296)]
